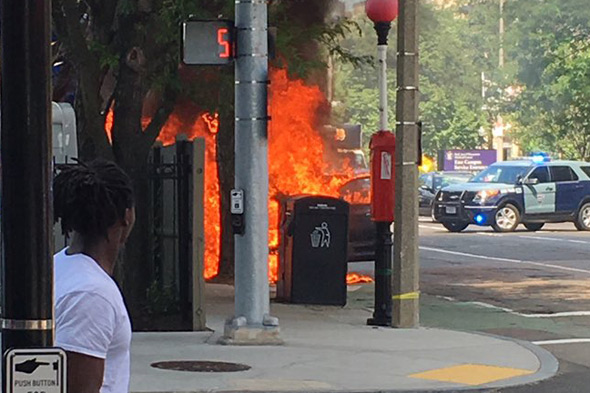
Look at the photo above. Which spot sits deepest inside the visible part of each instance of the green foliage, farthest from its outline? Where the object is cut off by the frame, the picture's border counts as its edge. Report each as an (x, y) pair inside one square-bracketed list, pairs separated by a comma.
[(559, 120), (355, 89), (105, 55), (452, 57), (331, 36), (304, 43), (126, 7), (543, 89), (550, 42)]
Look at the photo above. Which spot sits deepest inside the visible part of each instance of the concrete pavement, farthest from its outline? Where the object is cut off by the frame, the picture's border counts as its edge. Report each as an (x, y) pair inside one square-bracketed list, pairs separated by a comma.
[(329, 349)]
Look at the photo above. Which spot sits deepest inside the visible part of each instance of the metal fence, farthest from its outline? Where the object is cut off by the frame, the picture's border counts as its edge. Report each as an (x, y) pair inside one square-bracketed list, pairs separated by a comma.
[(176, 174), (177, 183)]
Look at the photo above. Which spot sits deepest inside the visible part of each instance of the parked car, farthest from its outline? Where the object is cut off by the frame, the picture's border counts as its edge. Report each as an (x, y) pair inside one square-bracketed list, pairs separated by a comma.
[(530, 192), (361, 229), (357, 192), (431, 182)]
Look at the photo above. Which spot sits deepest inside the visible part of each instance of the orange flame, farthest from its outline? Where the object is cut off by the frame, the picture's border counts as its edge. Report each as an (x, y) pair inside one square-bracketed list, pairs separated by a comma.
[(357, 278), (204, 126), (297, 157), (212, 121), (108, 125)]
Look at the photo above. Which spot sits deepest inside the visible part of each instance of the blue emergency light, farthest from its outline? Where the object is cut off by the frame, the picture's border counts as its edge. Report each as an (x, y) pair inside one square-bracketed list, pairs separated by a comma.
[(540, 157)]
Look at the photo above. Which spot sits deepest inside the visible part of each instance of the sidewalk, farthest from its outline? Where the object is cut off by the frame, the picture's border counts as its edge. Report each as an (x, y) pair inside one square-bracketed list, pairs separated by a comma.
[(330, 349)]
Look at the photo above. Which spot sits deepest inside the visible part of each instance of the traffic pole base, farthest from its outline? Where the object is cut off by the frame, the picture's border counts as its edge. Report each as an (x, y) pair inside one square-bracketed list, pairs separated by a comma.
[(379, 321), (237, 332)]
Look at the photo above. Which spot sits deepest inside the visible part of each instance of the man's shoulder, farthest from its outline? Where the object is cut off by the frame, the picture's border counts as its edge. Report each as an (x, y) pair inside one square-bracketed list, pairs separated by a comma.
[(92, 298), (79, 276)]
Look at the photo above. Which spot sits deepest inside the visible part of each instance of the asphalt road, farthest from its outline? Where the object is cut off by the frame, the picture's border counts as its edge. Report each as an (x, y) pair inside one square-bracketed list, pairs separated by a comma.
[(543, 272), (533, 286)]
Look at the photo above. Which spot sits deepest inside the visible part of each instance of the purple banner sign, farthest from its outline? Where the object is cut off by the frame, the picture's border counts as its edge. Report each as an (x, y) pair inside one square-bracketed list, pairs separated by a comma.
[(468, 160)]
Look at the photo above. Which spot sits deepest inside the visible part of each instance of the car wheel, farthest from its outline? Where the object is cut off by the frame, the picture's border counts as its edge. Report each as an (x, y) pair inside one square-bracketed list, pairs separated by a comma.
[(506, 218), (583, 220), (432, 214), (455, 226), (534, 226)]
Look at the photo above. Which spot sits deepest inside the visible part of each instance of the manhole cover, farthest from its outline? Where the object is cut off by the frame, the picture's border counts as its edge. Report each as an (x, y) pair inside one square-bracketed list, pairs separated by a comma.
[(201, 366)]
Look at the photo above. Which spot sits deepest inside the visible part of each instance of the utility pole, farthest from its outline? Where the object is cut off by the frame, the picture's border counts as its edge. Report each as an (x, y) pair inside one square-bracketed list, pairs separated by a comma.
[(498, 129), (406, 295), (27, 223), (501, 28), (252, 323)]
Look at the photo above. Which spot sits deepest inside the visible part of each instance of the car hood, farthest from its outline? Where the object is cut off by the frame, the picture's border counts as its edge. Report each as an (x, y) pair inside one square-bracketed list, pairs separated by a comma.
[(477, 187)]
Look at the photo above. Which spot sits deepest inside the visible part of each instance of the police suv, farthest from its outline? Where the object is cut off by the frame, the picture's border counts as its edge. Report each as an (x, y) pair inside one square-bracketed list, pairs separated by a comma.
[(506, 194)]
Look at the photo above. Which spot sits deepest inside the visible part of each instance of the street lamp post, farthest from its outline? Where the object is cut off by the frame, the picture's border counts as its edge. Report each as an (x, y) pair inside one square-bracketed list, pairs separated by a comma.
[(382, 13)]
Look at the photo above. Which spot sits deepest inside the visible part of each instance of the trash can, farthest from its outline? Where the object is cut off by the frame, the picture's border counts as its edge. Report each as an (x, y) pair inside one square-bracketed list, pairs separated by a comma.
[(313, 250)]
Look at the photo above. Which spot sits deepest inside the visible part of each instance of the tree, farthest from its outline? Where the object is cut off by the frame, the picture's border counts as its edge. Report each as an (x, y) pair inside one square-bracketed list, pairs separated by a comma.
[(455, 48), (123, 52), (559, 122), (124, 56), (549, 41)]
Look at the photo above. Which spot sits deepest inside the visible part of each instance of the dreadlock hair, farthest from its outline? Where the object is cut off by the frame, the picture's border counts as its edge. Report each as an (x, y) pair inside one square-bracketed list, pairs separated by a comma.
[(91, 197)]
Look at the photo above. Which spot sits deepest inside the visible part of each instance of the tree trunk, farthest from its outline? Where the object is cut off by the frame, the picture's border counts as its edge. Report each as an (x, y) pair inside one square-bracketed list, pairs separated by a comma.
[(137, 266), (131, 153), (88, 122)]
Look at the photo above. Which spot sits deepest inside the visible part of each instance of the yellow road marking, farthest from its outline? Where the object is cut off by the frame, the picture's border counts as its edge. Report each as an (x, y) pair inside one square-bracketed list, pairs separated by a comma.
[(472, 374)]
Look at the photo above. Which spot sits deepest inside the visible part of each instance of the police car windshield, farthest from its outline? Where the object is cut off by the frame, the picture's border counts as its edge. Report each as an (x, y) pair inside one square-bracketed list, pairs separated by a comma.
[(501, 174)]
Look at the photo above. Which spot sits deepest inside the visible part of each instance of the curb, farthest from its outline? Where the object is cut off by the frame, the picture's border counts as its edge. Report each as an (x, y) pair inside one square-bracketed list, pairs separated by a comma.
[(549, 366)]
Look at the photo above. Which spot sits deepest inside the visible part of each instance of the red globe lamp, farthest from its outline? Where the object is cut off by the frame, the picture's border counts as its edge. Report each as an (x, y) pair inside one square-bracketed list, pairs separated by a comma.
[(382, 13), (382, 10)]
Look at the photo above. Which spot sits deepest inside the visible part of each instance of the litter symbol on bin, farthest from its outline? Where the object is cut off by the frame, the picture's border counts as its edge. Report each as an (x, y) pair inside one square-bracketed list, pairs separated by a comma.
[(320, 237)]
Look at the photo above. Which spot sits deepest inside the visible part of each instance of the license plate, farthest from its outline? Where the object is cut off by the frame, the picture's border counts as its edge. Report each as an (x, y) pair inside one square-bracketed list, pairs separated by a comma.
[(451, 210)]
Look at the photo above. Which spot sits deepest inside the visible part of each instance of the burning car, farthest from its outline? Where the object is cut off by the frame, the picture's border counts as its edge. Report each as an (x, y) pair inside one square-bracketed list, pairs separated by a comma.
[(361, 229)]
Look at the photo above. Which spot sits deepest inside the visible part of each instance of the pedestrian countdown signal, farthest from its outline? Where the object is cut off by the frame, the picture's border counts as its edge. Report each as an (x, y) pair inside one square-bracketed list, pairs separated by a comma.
[(207, 42)]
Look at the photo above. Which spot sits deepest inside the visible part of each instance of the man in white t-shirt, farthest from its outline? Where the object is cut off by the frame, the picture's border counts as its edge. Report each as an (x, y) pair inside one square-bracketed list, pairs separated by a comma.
[(94, 202)]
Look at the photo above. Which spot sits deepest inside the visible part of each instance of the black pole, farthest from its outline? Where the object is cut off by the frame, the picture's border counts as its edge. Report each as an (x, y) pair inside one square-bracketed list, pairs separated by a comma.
[(383, 268), (25, 144), (384, 242), (382, 30)]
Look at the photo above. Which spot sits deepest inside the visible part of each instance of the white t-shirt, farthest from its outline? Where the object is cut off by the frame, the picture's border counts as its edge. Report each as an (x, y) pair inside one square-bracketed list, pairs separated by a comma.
[(91, 317)]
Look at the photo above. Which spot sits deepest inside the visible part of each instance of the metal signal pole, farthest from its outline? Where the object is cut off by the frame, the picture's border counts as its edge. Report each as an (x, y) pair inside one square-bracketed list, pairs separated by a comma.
[(384, 245), (27, 223), (406, 295), (251, 323), (382, 13)]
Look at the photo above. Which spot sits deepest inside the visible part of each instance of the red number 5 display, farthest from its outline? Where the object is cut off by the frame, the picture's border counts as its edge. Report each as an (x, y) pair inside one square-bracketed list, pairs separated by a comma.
[(222, 40), (207, 42)]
